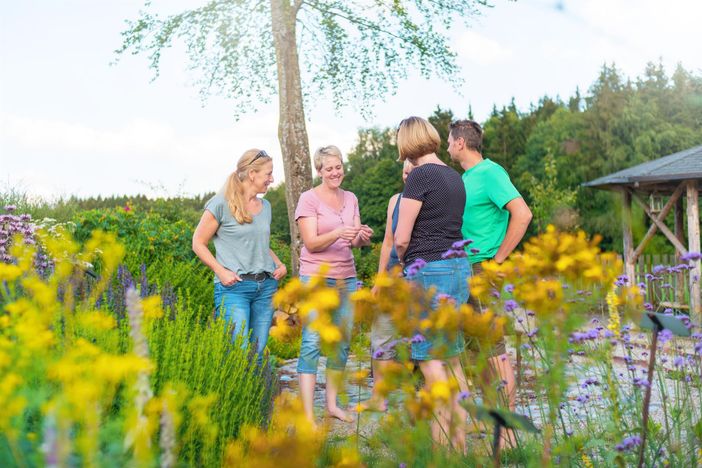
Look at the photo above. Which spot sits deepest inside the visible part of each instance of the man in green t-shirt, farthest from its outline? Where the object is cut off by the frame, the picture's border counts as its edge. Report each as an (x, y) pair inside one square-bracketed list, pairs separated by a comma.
[(495, 219)]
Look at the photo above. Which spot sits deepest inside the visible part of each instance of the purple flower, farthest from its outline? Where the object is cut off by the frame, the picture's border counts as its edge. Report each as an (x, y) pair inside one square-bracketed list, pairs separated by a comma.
[(628, 443), (678, 361), (685, 258), (445, 297), (10, 208), (641, 382), (510, 305), (378, 353), (579, 337), (418, 338), (451, 253), (509, 288), (463, 396), (648, 306), (530, 313), (589, 381), (665, 335), (414, 268), (622, 280), (533, 332), (658, 269), (583, 399), (461, 244)]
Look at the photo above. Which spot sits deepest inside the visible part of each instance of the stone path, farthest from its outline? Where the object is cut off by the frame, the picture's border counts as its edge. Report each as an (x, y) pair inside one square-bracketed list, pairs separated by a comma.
[(368, 422)]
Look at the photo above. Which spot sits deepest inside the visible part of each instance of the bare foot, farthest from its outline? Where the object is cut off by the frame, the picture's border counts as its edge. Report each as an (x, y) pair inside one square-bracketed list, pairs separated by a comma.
[(375, 404), (340, 414)]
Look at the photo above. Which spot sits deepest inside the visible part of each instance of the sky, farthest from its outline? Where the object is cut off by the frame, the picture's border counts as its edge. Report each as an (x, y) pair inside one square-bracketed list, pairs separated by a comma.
[(72, 122)]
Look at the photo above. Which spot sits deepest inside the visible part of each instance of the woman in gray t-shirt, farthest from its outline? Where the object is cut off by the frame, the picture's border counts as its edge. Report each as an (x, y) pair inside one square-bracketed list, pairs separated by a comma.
[(246, 269)]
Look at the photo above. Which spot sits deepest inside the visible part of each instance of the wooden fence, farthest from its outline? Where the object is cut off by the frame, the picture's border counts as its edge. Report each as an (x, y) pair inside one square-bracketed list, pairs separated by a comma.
[(673, 290)]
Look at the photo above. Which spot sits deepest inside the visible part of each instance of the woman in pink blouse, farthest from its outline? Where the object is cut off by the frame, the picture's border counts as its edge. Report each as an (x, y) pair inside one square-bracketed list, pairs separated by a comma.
[(330, 225)]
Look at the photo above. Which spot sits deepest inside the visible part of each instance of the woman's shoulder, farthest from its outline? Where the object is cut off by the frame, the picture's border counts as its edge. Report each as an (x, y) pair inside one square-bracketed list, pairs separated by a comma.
[(216, 200), (308, 196), (349, 195)]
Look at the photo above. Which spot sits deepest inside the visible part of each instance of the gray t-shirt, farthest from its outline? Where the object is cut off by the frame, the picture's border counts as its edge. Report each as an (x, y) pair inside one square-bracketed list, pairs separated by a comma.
[(241, 248)]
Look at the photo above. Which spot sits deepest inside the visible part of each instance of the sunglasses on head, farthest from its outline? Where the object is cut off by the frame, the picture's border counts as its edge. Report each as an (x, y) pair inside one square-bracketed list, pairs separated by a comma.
[(260, 154)]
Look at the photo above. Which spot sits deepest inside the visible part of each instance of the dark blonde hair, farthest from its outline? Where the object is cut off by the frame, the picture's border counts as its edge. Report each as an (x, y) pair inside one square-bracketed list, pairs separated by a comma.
[(251, 160), (325, 152), (416, 137)]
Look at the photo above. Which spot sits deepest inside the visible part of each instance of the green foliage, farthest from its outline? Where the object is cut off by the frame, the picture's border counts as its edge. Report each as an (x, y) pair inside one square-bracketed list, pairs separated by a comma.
[(367, 260), (203, 358), (146, 236), (548, 201), (617, 124), (283, 349), (189, 279), (354, 53), (280, 228)]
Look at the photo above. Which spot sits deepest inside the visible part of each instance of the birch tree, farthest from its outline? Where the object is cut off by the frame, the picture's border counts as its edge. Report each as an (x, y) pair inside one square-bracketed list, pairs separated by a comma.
[(353, 51)]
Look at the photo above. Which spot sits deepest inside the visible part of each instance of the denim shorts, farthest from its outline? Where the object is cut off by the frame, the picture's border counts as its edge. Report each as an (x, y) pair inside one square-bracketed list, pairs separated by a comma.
[(310, 349), (248, 304), (448, 277)]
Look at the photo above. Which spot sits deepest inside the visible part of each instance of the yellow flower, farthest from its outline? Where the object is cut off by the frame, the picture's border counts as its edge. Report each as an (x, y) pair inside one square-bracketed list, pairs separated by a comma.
[(441, 391), (152, 307), (9, 272), (97, 320), (330, 334)]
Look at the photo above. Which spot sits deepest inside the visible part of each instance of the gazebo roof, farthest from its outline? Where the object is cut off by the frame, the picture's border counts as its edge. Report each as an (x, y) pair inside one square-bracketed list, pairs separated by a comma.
[(662, 174)]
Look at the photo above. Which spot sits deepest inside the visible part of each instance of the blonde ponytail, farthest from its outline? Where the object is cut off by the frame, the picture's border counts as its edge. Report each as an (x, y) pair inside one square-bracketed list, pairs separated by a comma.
[(233, 189)]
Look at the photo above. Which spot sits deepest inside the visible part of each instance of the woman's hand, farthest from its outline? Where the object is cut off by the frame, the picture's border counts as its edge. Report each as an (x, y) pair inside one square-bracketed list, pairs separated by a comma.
[(280, 271), (347, 233), (365, 233), (228, 277)]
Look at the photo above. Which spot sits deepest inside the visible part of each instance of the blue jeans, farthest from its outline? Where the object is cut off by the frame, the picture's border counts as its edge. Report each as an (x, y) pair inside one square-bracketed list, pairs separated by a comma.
[(341, 317), (248, 304), (448, 277)]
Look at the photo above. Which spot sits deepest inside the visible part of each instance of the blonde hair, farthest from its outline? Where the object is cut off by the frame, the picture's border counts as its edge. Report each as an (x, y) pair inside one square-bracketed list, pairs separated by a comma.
[(416, 137), (251, 160), (325, 152)]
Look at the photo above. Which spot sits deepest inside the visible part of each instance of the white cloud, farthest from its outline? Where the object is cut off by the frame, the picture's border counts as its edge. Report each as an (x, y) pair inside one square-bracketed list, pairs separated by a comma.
[(139, 153), (477, 48)]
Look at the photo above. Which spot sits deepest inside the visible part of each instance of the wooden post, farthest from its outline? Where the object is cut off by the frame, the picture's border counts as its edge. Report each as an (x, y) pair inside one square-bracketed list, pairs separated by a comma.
[(680, 234), (693, 238), (628, 237)]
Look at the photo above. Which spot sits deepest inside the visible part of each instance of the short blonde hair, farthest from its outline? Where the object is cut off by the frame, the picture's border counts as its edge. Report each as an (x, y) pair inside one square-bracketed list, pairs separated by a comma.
[(416, 137), (325, 152)]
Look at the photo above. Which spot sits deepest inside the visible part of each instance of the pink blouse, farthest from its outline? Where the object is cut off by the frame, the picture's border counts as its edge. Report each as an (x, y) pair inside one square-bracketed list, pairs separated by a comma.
[(338, 255)]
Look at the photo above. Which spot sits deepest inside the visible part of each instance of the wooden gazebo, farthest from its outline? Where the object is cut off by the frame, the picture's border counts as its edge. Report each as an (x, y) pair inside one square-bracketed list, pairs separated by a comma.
[(672, 179)]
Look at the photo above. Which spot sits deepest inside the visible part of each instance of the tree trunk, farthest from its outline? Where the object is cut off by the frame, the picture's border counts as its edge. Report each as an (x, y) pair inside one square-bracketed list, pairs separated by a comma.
[(292, 132)]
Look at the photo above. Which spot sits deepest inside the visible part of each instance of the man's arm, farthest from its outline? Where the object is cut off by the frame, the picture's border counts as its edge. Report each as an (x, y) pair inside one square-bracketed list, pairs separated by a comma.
[(519, 218)]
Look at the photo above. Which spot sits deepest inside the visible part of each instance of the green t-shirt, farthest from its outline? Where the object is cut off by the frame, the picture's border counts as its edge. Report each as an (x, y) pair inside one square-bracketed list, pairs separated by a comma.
[(485, 219)]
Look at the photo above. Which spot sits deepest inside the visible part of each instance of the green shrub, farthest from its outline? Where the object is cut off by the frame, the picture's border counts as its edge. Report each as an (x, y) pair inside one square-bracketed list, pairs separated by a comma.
[(203, 358), (146, 236), (283, 350)]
